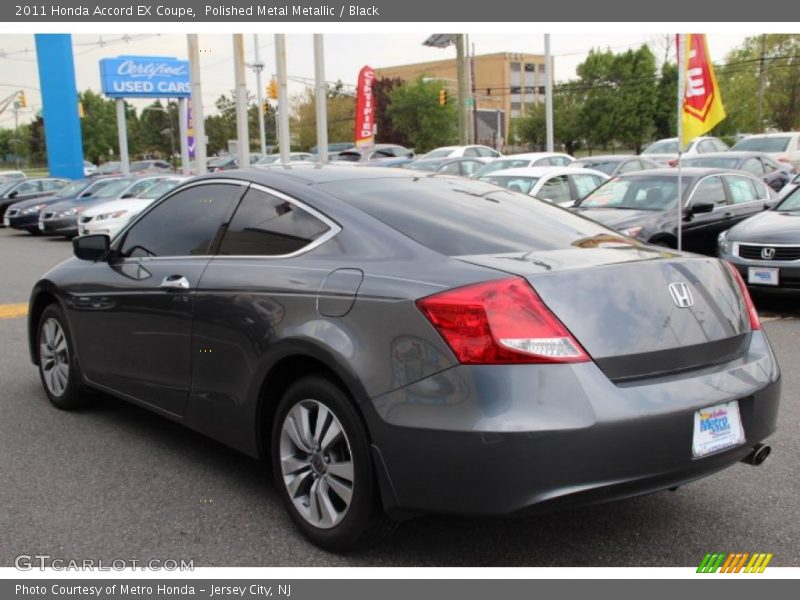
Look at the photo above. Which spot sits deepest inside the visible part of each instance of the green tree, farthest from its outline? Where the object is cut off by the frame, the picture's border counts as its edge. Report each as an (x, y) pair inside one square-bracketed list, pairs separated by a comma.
[(99, 125), (416, 114), (387, 132), (341, 111), (666, 112), (568, 129), (600, 104)]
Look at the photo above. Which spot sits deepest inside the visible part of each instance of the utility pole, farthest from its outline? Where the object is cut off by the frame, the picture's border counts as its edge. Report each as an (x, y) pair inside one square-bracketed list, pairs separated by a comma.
[(321, 98), (258, 66), (242, 135), (198, 119), (761, 82), (16, 133), (463, 93), (474, 136), (548, 89), (283, 97)]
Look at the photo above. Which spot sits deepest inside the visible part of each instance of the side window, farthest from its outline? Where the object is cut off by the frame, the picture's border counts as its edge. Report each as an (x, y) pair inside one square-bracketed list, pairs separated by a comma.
[(710, 190), (542, 162), (265, 225), (139, 187), (769, 166), (753, 165), (184, 224), (742, 189), (50, 185), (560, 161), (468, 167), (555, 189), (28, 187), (630, 165), (584, 184), (720, 145), (471, 152), (450, 168), (487, 152)]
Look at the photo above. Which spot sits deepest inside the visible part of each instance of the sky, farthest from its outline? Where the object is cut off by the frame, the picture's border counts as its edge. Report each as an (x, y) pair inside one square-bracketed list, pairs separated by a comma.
[(345, 54)]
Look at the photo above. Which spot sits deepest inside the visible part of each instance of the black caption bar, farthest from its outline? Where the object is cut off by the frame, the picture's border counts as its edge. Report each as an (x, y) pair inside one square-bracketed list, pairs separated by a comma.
[(434, 589), (190, 11)]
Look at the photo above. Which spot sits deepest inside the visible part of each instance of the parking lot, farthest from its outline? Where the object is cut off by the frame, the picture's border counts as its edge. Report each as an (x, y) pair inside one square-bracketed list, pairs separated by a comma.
[(116, 481)]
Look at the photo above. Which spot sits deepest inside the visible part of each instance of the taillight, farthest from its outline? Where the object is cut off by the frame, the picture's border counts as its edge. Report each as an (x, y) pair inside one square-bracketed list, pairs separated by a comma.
[(500, 322), (752, 313)]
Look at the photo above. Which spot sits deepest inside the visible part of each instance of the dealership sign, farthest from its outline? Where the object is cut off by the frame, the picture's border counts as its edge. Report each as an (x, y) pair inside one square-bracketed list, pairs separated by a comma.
[(145, 77)]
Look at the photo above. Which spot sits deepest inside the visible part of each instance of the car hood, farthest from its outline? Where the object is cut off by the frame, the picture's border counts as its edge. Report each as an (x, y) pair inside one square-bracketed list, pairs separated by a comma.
[(772, 226), (115, 205), (75, 202), (23, 204), (620, 218)]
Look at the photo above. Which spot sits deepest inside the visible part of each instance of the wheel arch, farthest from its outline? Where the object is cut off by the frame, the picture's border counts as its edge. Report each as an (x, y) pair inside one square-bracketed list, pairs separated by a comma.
[(44, 294)]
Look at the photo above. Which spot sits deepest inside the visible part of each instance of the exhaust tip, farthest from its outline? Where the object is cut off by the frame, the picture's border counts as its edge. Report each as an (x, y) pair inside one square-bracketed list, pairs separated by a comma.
[(759, 454)]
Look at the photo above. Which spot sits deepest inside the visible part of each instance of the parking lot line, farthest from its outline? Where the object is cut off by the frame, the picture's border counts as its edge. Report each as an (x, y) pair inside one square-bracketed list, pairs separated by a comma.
[(12, 311)]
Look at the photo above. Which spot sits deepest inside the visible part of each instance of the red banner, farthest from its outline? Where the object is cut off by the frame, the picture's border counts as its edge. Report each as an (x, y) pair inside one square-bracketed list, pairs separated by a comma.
[(365, 109)]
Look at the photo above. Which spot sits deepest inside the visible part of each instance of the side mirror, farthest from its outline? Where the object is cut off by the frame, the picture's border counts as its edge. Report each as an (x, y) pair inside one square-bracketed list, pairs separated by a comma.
[(91, 247), (13, 194), (127, 196), (701, 207), (86, 194)]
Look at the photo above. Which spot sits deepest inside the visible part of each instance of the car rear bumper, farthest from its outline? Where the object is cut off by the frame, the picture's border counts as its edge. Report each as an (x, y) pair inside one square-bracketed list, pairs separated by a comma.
[(506, 440)]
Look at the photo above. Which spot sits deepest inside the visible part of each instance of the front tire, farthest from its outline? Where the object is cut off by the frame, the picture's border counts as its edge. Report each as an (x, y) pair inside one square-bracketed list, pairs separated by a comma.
[(58, 367), (322, 466)]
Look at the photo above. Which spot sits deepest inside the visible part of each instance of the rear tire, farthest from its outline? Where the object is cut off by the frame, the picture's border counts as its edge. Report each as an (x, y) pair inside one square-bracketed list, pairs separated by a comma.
[(58, 366), (322, 466)]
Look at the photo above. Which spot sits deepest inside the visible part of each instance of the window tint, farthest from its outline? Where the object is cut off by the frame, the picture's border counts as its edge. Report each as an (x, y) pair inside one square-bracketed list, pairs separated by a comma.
[(753, 165), (265, 225), (28, 187), (705, 146), (770, 166), (53, 184), (139, 187), (742, 189), (184, 224), (471, 152), (559, 161), (635, 192), (450, 168), (555, 189), (710, 190), (457, 216), (486, 152), (584, 184)]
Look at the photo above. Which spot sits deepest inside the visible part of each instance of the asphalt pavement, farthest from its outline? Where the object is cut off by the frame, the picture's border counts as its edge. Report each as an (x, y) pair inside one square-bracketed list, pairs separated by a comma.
[(116, 481)]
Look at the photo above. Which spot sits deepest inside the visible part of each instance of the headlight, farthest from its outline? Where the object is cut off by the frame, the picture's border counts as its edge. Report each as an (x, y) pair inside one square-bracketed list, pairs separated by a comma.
[(33, 209), (112, 215), (632, 231), (71, 212), (723, 245)]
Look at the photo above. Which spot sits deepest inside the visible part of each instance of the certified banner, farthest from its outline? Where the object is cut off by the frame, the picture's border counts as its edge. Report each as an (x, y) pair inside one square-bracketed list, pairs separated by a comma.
[(365, 109), (701, 108)]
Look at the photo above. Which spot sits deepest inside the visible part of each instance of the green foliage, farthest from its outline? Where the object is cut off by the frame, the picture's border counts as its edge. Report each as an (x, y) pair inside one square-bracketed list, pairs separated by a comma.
[(99, 127), (341, 110), (414, 110)]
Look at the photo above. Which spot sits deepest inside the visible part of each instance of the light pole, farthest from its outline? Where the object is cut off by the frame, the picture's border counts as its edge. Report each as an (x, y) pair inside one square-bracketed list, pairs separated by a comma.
[(444, 40)]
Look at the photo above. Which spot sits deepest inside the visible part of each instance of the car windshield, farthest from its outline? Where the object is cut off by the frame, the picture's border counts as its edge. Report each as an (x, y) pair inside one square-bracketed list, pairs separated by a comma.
[(606, 167), (763, 144), (514, 183), (440, 153), (715, 162), (791, 202), (73, 189), (499, 165), (662, 147), (114, 188), (456, 216), (635, 193), (7, 186), (219, 161), (424, 165), (159, 189)]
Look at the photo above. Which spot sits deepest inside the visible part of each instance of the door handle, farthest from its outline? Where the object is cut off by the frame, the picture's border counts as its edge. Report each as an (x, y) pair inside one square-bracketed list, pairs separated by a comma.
[(175, 282)]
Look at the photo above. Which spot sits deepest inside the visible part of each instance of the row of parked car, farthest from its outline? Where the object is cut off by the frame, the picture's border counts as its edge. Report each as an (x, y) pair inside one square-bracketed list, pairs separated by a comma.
[(100, 204)]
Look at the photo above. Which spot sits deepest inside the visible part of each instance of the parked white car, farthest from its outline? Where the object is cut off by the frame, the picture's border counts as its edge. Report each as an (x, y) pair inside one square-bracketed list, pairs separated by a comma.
[(474, 151), (526, 159), (665, 152), (111, 217), (559, 185), (783, 147), (270, 160)]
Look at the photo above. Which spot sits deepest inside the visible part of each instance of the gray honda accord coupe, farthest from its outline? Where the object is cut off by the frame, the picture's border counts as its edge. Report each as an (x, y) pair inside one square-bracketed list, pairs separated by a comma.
[(395, 343)]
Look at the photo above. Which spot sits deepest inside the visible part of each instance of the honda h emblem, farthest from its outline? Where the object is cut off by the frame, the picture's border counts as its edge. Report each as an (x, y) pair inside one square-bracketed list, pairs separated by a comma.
[(681, 294), (768, 253)]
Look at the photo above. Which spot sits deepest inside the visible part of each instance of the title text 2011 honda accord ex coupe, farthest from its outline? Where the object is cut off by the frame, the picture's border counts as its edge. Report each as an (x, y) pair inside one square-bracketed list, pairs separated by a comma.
[(400, 343)]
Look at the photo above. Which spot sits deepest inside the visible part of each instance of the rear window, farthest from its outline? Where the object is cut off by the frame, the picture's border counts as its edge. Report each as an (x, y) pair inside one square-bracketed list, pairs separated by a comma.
[(457, 217), (763, 144), (717, 162)]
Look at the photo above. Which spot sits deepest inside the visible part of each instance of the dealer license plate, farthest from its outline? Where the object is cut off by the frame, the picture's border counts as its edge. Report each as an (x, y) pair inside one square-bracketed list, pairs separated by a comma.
[(762, 276), (717, 428)]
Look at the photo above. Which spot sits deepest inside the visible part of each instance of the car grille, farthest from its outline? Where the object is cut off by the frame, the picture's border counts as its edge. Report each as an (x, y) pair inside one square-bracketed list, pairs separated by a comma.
[(48, 215), (12, 212), (754, 252)]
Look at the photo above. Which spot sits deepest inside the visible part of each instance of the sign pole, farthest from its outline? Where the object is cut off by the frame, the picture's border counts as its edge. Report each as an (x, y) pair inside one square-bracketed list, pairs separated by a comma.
[(242, 134), (198, 119), (122, 132), (283, 97), (680, 57), (183, 127), (322, 99)]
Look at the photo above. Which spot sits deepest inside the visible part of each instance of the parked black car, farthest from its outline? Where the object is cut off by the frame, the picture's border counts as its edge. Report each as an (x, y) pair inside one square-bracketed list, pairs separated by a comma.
[(398, 343), (376, 151), (25, 215), (644, 205), (616, 164), (766, 248), (775, 174), (17, 190)]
